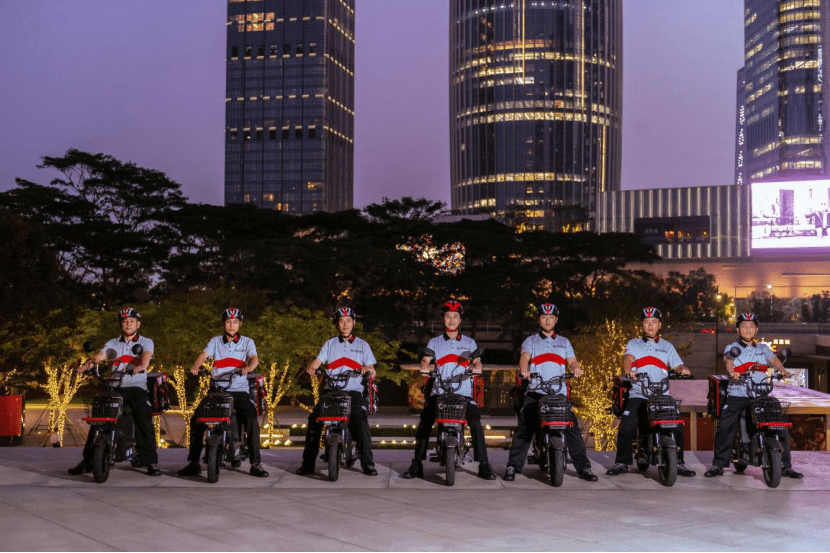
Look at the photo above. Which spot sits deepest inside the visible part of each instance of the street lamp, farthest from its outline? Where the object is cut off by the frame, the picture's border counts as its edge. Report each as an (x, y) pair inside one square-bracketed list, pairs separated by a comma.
[(718, 297)]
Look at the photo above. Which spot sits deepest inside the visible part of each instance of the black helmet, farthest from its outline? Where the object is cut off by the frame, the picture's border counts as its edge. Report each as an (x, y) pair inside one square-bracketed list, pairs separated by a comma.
[(547, 309), (232, 313), (344, 311), (752, 317), (128, 312), (651, 312), (452, 305)]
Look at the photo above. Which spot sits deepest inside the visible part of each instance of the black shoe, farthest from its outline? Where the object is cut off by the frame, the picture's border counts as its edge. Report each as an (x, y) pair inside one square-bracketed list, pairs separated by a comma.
[(258, 471), (80, 468), (486, 472), (588, 475), (304, 469), (790, 473), (370, 470), (509, 474), (192, 469), (416, 469), (683, 471), (153, 470), (714, 470), (618, 468)]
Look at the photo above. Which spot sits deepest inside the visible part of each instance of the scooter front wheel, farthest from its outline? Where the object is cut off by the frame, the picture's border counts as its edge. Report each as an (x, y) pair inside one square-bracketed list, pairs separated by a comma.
[(101, 462), (557, 466), (449, 461), (667, 470), (333, 453), (772, 467), (212, 455)]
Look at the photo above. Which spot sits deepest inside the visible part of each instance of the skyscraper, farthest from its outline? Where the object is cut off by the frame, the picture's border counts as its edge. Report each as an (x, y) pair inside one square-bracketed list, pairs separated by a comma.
[(289, 116), (786, 47), (535, 108)]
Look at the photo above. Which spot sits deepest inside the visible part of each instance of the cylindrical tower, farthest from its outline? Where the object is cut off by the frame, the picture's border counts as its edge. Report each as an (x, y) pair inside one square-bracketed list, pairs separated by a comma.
[(535, 108)]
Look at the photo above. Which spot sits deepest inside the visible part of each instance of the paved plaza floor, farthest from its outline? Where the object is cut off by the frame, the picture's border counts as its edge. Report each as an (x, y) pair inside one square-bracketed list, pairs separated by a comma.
[(43, 508)]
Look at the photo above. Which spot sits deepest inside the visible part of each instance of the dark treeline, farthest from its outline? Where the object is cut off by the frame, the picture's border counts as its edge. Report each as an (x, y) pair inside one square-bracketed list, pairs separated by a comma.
[(104, 233)]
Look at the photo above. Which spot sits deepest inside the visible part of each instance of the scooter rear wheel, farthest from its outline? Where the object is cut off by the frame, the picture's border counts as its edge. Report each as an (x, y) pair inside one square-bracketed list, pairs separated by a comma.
[(449, 461), (739, 467), (557, 466), (101, 463), (212, 455)]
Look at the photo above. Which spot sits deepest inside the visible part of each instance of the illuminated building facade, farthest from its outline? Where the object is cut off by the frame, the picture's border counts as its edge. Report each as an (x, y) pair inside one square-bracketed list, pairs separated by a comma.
[(535, 108), (289, 117), (785, 94)]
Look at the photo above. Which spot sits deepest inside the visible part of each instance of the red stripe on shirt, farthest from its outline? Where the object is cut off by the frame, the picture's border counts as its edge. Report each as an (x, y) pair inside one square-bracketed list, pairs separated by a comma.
[(548, 357), (452, 358), (743, 367), (229, 362), (649, 360), (345, 362)]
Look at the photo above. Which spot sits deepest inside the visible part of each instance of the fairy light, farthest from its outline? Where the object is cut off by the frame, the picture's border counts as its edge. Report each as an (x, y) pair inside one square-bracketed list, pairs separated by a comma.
[(177, 378), (277, 383), (448, 259), (62, 383), (601, 359)]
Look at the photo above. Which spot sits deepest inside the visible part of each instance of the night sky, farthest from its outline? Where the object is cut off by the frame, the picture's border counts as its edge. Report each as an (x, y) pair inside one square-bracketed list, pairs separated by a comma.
[(144, 81)]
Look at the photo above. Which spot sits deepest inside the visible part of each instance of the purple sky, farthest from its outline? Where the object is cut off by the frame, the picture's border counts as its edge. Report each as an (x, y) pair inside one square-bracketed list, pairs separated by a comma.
[(145, 82)]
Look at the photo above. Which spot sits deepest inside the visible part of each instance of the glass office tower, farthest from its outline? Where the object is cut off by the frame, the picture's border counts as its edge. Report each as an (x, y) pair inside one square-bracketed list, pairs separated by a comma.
[(786, 49), (535, 108), (289, 117)]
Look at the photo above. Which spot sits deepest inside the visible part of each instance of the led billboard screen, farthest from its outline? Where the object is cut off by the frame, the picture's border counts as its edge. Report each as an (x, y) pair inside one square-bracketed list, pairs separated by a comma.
[(791, 217)]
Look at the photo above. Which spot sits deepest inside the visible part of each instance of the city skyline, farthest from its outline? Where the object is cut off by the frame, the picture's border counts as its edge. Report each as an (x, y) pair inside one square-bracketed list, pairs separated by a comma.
[(121, 79)]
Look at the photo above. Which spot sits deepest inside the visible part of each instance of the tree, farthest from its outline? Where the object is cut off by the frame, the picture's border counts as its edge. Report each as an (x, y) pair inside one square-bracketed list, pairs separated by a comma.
[(599, 349), (108, 222)]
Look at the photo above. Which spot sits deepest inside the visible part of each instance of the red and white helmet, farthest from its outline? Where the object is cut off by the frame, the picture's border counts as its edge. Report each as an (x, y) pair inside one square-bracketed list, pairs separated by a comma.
[(452, 305), (651, 312), (128, 312), (344, 311), (751, 317), (232, 313), (547, 309)]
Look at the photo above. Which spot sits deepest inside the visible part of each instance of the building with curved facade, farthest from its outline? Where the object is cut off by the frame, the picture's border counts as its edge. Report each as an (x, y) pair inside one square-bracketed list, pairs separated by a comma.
[(535, 108)]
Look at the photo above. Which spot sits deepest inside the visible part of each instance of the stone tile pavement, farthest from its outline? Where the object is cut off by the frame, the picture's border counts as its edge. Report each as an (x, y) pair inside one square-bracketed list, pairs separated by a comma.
[(43, 509)]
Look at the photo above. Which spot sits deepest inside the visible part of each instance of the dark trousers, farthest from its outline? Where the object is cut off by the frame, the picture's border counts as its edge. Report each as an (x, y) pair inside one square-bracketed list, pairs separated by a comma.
[(145, 433), (244, 413), (528, 425), (728, 425), (637, 416), (358, 427), (473, 416)]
